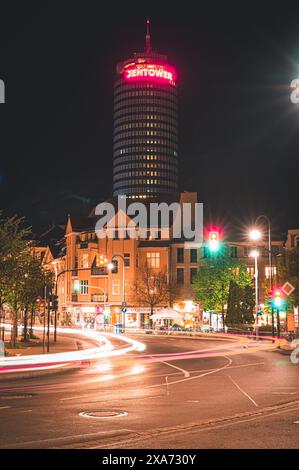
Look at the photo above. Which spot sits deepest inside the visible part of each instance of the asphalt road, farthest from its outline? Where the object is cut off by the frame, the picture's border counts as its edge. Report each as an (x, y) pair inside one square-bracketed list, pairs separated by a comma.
[(165, 397)]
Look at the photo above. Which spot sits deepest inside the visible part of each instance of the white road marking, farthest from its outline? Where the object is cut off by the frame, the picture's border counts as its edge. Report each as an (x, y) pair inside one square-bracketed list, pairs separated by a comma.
[(242, 391), (73, 398), (4, 407), (185, 372), (213, 371), (296, 422), (26, 411)]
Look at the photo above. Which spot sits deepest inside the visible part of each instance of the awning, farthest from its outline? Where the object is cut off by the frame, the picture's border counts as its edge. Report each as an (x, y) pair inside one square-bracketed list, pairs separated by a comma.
[(167, 313)]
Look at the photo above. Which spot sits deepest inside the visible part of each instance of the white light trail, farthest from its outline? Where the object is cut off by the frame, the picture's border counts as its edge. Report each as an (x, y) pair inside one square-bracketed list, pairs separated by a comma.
[(46, 361)]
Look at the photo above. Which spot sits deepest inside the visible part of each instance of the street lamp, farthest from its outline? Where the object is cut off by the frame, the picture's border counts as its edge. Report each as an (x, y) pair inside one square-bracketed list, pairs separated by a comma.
[(255, 234), (255, 254), (111, 266)]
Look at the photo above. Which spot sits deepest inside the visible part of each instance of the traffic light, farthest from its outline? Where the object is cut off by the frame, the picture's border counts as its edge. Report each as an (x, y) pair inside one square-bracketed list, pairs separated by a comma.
[(214, 240), (53, 302), (76, 285), (277, 298), (260, 309)]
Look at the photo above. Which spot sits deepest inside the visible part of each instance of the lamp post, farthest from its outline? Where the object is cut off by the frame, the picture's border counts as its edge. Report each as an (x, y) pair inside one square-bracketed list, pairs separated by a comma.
[(255, 235), (111, 266), (255, 254)]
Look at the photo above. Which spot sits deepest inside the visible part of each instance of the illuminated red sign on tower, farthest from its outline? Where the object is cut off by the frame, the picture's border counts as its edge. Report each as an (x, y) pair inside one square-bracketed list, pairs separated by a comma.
[(155, 72)]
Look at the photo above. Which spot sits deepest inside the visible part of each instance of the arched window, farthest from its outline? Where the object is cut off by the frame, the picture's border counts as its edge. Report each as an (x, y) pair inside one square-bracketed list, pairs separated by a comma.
[(296, 241)]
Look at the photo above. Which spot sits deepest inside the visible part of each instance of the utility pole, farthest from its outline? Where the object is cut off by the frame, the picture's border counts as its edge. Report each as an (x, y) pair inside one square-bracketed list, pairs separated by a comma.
[(48, 329), (44, 326)]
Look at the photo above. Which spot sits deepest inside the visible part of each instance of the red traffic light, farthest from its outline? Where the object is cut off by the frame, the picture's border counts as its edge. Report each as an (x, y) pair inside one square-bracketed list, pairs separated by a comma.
[(213, 238), (277, 297)]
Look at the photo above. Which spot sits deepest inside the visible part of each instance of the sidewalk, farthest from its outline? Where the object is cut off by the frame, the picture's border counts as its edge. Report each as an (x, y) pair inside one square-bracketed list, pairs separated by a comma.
[(64, 343)]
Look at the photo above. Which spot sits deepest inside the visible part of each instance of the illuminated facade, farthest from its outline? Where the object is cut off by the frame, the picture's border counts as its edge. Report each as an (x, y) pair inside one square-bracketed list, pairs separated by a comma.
[(145, 148)]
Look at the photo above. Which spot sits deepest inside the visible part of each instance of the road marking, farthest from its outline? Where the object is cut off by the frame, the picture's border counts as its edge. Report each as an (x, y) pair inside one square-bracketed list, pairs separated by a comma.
[(185, 372), (242, 391), (4, 407), (296, 422), (73, 398), (26, 411), (213, 371)]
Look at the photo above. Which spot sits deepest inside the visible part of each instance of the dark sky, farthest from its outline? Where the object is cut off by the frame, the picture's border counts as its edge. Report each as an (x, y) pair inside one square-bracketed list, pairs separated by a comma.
[(239, 132)]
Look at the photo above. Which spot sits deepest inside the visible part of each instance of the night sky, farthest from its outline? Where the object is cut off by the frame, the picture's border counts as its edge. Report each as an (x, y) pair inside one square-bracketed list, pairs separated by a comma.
[(239, 131)]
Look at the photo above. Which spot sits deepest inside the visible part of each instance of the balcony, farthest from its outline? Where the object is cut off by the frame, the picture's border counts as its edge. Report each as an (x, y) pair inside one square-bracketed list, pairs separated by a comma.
[(99, 271), (99, 297)]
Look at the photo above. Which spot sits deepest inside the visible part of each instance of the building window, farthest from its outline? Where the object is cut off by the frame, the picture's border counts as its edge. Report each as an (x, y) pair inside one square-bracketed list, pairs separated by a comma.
[(296, 241), (115, 287), (233, 251), (114, 270), (180, 275), (268, 271), (84, 260), (153, 260), (180, 255), (193, 272), (193, 255), (127, 259), (83, 287)]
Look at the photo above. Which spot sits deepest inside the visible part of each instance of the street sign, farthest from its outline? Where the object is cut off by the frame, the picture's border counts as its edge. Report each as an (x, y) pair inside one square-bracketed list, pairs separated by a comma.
[(123, 305), (124, 310), (287, 288)]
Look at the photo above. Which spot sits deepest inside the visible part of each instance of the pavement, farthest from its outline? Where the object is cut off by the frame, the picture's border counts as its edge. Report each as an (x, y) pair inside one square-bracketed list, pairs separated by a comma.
[(176, 394), (64, 343)]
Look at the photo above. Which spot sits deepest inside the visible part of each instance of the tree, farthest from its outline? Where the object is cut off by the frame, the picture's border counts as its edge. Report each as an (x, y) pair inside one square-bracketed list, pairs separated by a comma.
[(240, 304), (13, 241), (212, 283), (152, 287), (288, 270)]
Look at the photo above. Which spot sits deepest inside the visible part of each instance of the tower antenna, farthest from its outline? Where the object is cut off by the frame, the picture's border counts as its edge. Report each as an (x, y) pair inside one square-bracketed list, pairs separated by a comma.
[(148, 37)]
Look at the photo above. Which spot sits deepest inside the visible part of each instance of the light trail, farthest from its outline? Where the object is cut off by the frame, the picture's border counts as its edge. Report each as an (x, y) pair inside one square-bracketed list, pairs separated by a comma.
[(57, 360)]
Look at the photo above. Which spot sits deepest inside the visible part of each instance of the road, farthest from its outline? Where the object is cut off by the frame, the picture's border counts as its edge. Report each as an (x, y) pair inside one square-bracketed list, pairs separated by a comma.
[(178, 393)]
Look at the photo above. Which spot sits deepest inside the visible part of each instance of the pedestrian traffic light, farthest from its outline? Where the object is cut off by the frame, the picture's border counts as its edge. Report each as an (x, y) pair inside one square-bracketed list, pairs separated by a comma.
[(213, 240)]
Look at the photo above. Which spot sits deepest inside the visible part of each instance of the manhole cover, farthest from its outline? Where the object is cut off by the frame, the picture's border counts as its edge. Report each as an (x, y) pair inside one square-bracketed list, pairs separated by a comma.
[(103, 414)]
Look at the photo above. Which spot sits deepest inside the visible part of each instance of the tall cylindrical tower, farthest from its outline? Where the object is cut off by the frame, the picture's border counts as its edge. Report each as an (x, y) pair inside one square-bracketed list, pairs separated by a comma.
[(145, 148)]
